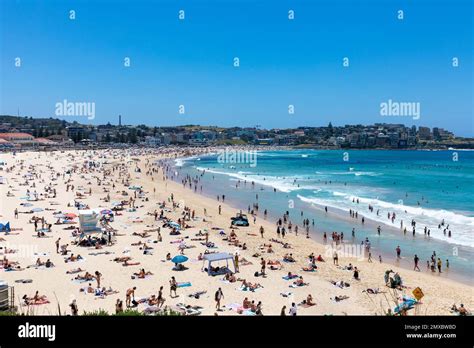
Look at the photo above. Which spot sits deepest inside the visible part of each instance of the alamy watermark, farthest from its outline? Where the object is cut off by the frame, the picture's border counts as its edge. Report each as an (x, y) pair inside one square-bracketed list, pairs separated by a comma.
[(394, 108), (67, 108), (356, 251), (234, 156)]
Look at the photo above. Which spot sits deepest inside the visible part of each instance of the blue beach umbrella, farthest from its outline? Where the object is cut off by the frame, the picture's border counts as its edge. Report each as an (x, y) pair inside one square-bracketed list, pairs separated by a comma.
[(179, 259), (37, 210)]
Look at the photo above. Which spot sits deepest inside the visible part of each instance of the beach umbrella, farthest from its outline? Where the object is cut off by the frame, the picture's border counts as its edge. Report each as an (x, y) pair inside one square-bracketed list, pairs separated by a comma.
[(27, 204), (70, 215), (179, 259), (59, 216), (106, 212), (37, 210)]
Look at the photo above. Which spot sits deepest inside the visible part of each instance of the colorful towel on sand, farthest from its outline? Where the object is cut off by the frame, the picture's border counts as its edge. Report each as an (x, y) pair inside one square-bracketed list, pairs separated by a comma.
[(184, 284)]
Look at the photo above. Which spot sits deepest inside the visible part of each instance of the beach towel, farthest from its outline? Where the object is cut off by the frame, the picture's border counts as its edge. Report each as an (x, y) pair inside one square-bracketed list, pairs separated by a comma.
[(233, 306), (184, 284)]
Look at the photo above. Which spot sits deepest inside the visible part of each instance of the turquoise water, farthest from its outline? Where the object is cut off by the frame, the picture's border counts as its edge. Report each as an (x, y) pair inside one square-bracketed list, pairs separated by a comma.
[(427, 186)]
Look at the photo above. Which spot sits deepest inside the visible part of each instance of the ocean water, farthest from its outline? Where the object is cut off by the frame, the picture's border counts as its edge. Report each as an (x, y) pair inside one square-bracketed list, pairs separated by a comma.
[(427, 186)]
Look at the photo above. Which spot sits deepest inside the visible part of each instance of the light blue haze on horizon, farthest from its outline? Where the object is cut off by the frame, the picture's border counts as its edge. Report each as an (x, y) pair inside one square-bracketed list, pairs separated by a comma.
[(283, 62)]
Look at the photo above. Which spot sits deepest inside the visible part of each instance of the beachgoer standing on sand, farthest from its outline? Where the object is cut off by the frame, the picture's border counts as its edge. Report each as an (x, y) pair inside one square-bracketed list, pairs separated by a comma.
[(439, 263), (399, 251), (98, 275), (262, 231), (416, 259), (236, 261), (16, 213), (335, 258), (263, 264), (129, 295), (218, 297), (173, 287), (57, 245)]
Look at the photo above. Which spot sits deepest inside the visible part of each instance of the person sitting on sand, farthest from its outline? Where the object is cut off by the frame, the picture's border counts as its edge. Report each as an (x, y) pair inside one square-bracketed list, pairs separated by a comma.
[(291, 275), (246, 303), (320, 259), (309, 300), (168, 257), (310, 268), (39, 262), (288, 258), (461, 310), (230, 277), (299, 281)]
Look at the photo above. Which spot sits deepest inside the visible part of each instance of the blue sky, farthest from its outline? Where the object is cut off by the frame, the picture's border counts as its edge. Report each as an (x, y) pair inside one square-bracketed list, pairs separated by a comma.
[(282, 62)]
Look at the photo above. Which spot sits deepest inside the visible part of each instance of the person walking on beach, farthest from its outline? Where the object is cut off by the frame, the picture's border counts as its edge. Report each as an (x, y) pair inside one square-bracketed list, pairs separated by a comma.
[(218, 297), (439, 263), (416, 260), (220, 209), (399, 251), (370, 257), (335, 258), (16, 213), (262, 230), (263, 264), (173, 287)]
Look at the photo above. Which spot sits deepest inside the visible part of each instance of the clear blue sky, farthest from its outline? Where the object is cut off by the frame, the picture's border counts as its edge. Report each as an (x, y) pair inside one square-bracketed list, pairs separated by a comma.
[(283, 62)]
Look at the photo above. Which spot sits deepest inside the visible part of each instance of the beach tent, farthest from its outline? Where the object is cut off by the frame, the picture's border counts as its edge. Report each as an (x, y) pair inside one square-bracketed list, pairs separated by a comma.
[(216, 257), (5, 226)]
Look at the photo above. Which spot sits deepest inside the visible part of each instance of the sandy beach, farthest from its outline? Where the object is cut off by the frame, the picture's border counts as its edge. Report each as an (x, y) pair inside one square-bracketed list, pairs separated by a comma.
[(61, 182)]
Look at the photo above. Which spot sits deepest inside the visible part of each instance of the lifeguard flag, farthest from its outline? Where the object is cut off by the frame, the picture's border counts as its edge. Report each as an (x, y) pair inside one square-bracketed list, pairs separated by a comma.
[(418, 294)]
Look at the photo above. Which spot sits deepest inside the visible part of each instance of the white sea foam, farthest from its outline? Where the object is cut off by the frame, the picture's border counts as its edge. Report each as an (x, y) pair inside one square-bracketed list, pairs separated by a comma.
[(462, 226)]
